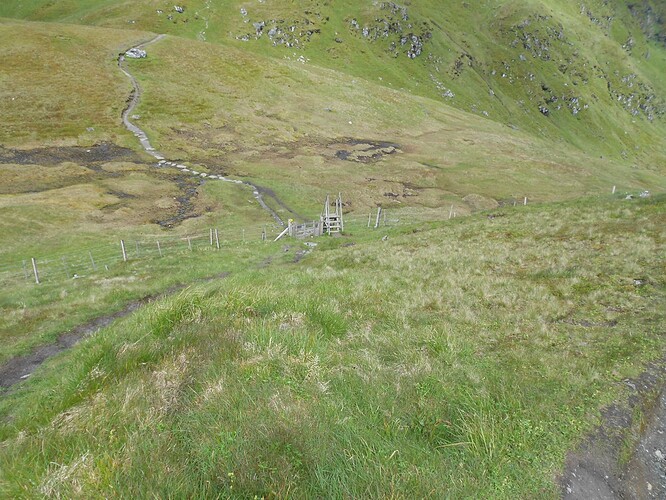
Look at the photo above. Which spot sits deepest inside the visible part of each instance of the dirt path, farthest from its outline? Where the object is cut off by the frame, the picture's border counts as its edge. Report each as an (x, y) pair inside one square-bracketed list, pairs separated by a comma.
[(625, 457), (21, 367), (132, 103)]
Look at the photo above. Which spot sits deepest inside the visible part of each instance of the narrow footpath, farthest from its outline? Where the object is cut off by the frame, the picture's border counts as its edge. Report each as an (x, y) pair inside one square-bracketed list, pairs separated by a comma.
[(133, 101)]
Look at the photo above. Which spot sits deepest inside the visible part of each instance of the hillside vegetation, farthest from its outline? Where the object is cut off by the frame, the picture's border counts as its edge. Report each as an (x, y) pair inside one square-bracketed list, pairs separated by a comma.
[(594, 68), (458, 350), (453, 359)]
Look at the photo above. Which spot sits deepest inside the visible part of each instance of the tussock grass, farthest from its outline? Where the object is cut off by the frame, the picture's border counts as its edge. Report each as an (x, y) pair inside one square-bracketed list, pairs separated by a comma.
[(453, 359)]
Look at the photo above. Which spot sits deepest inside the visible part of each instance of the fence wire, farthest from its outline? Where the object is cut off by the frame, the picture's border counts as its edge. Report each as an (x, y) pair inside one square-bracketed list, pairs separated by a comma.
[(106, 257)]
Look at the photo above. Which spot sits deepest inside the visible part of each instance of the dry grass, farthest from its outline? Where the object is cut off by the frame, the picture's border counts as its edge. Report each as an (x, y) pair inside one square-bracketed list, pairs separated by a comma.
[(460, 358)]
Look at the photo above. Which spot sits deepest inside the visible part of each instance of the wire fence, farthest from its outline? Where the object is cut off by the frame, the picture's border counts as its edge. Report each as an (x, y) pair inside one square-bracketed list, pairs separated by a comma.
[(107, 257)]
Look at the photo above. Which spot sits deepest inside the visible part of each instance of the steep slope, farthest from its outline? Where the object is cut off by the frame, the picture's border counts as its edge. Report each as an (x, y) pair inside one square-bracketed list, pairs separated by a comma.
[(458, 359), (588, 74), (297, 128)]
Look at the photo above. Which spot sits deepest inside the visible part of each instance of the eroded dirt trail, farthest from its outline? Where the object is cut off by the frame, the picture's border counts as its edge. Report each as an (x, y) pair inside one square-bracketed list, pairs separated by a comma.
[(625, 457), (140, 134)]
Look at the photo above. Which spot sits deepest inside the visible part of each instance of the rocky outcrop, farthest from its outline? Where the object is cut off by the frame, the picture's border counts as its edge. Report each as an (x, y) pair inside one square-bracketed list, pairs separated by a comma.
[(393, 26), (290, 33)]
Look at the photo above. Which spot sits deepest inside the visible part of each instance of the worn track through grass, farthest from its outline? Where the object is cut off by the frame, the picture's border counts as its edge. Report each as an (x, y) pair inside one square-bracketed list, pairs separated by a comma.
[(133, 101)]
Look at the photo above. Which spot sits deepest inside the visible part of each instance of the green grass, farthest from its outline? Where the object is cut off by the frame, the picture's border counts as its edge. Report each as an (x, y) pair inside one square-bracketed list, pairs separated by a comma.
[(455, 358), (584, 58), (394, 368), (60, 81)]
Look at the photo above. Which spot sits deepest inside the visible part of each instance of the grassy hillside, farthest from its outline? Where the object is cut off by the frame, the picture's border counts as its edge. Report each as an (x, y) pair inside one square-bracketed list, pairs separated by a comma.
[(588, 74), (452, 359), (60, 84), (429, 358)]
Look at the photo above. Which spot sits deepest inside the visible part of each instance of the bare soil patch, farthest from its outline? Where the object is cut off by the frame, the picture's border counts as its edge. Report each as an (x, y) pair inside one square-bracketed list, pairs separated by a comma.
[(98, 153), (625, 457), (364, 151)]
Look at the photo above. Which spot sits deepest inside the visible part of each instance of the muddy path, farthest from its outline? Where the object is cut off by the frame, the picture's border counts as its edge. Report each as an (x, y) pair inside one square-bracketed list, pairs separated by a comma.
[(21, 367), (132, 103), (625, 456)]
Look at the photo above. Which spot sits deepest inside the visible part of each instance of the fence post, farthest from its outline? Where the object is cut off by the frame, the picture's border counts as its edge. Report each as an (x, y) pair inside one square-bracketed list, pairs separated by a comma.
[(93, 261), (122, 247), (379, 213), (217, 240), (369, 218), (34, 268), (159, 249), (189, 243), (613, 190), (211, 236), (525, 201), (451, 212), (243, 235)]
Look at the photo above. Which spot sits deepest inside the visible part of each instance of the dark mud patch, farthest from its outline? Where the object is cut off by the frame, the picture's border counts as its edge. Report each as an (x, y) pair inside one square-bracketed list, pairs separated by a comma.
[(364, 151), (266, 262), (189, 189), (266, 192), (121, 194), (98, 153), (625, 457), (300, 255)]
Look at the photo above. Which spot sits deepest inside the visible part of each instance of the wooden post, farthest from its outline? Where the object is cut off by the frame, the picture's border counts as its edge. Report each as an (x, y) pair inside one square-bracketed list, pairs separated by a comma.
[(217, 239), (211, 236), (263, 234), (189, 243), (159, 249), (451, 212), (25, 271), (243, 235), (384, 217), (34, 269), (92, 261), (369, 218), (613, 190), (64, 266), (525, 201), (379, 213), (122, 247)]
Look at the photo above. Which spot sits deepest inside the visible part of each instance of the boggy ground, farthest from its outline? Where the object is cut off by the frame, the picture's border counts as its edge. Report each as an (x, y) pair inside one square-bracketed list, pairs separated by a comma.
[(111, 168)]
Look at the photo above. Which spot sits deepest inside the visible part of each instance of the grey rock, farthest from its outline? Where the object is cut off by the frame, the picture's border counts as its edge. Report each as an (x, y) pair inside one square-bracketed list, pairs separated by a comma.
[(136, 53)]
